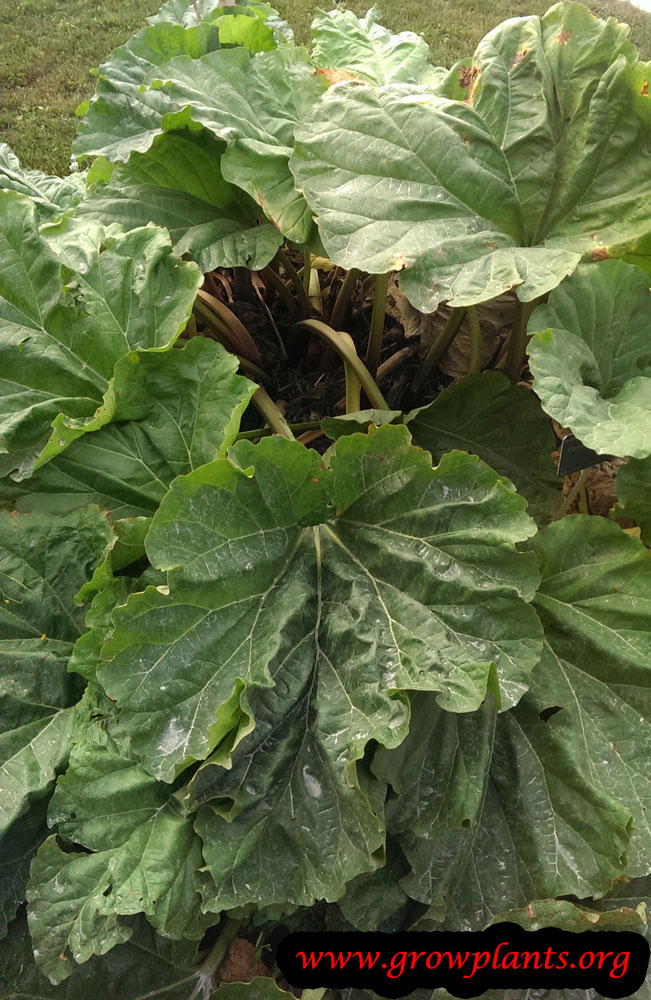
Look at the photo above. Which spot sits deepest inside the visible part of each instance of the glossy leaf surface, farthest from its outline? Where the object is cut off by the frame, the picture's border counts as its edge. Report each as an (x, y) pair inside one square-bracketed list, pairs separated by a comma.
[(316, 618), (492, 811), (595, 607)]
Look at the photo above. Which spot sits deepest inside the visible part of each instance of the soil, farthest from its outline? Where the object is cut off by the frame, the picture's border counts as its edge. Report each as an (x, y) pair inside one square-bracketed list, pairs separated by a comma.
[(307, 381), (240, 964), (306, 377)]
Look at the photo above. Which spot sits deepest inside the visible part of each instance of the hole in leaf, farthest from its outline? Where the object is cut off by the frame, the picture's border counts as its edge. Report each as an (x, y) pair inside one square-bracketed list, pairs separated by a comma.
[(107, 891), (547, 713)]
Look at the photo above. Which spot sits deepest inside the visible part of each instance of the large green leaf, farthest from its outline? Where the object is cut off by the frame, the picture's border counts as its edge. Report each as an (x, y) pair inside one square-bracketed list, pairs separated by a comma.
[(294, 599), (254, 104), (595, 605), (63, 329), (558, 93), (51, 195), (177, 184), (542, 163), (44, 561), (389, 503), (504, 425), (492, 812), (145, 857), (144, 851), (363, 48), (65, 896), (145, 964), (173, 412), (251, 103), (591, 360), (123, 116), (555, 781)]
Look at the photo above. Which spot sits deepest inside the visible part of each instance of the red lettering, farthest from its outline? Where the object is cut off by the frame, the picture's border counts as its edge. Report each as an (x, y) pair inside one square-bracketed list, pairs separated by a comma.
[(339, 961), (502, 944), (476, 965), (310, 961), (367, 961), (510, 960), (456, 960)]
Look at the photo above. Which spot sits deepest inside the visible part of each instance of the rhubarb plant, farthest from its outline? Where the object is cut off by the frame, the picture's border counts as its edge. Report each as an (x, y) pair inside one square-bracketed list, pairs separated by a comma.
[(369, 670)]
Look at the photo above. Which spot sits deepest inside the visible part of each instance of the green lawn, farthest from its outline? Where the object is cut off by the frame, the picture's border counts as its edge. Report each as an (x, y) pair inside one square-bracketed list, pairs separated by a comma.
[(48, 48)]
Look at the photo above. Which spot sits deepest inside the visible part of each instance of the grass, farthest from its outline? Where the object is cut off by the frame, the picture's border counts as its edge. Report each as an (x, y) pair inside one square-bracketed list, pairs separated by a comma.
[(452, 28), (47, 50)]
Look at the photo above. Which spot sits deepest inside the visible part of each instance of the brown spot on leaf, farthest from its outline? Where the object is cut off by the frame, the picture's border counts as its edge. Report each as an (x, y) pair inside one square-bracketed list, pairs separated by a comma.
[(399, 262), (563, 37), (519, 56), (335, 75), (645, 89), (465, 76), (601, 253), (468, 79)]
